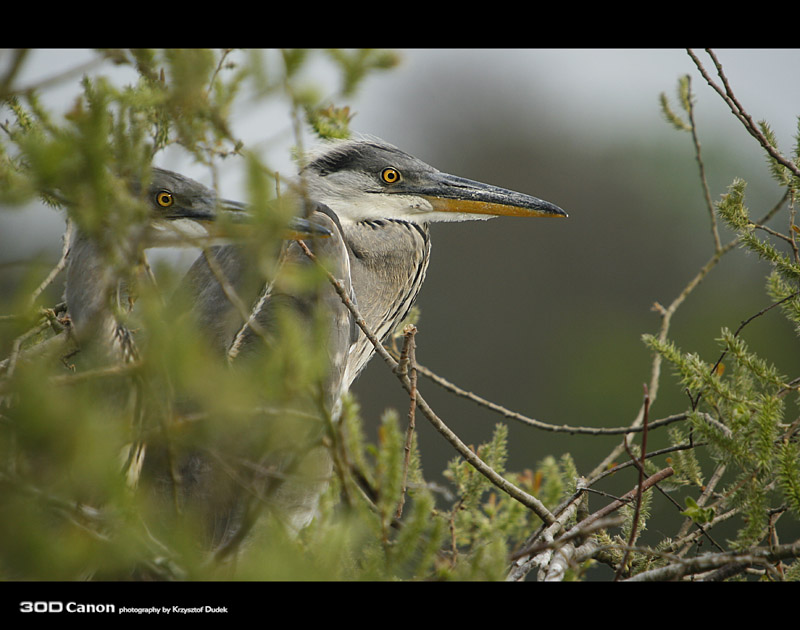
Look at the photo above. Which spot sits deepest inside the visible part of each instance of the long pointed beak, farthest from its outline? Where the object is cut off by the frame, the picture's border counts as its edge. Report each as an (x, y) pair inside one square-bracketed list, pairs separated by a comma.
[(449, 193), (211, 211), (236, 215), (221, 220), (207, 220)]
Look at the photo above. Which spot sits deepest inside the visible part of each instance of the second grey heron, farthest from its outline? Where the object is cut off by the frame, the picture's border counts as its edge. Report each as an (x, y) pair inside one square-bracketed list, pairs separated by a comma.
[(99, 266), (102, 263)]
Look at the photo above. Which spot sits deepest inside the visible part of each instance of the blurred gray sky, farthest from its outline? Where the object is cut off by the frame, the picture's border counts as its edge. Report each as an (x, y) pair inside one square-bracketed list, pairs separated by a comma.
[(528, 313), (582, 95)]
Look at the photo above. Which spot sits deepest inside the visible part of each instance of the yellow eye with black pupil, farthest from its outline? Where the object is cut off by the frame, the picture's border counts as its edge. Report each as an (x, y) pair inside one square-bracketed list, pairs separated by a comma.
[(390, 175), (165, 199)]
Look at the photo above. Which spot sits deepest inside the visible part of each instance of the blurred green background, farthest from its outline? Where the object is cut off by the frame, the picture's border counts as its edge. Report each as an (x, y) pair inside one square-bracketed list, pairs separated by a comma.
[(542, 316)]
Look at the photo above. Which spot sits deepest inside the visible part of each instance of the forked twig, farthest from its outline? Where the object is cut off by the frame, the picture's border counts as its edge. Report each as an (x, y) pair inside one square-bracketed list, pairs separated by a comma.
[(736, 108)]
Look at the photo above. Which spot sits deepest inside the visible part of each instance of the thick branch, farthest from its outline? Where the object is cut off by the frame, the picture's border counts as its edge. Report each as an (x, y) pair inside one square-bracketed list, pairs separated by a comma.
[(715, 561)]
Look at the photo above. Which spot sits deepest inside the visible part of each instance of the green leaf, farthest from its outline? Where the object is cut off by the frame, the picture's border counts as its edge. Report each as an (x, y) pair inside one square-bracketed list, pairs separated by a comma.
[(698, 514)]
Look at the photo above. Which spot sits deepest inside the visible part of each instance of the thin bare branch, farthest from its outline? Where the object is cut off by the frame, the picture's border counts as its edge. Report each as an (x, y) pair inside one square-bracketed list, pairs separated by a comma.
[(538, 424), (59, 267), (736, 108), (232, 296), (626, 498), (702, 168), (499, 481)]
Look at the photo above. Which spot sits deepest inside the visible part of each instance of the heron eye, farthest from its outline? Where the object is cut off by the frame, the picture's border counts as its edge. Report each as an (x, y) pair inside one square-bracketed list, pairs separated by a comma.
[(164, 199), (390, 175)]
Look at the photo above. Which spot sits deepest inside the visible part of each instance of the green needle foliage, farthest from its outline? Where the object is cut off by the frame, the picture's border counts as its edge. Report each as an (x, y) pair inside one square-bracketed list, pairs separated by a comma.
[(742, 407)]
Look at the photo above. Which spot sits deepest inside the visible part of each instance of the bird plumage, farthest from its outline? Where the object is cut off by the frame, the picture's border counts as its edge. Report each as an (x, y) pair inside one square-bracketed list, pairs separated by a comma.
[(104, 262), (101, 263), (367, 207), (377, 203)]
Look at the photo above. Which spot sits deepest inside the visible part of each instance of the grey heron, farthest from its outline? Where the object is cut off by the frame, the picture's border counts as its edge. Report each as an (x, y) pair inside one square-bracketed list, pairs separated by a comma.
[(378, 203), (181, 212), (385, 200), (99, 266)]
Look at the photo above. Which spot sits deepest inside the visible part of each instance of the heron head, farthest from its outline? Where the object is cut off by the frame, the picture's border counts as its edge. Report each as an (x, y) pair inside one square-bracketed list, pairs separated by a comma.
[(370, 179), (184, 209), (184, 212)]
